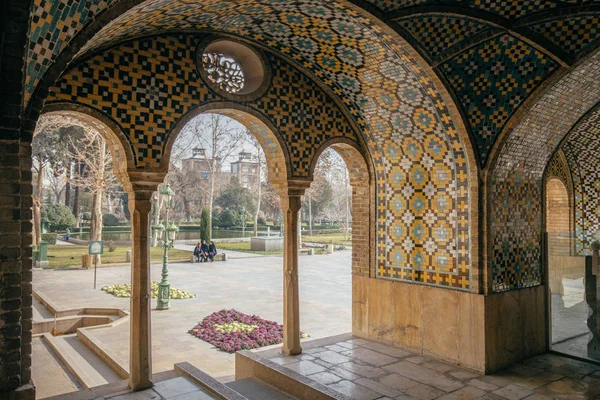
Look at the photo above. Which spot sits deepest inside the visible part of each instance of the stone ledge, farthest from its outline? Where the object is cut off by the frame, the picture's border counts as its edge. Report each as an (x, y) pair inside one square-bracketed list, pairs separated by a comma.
[(207, 382), (250, 365)]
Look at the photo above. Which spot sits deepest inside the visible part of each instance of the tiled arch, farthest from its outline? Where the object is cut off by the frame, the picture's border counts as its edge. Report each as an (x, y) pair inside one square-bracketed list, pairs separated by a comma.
[(407, 108), (582, 152), (266, 133), (514, 182)]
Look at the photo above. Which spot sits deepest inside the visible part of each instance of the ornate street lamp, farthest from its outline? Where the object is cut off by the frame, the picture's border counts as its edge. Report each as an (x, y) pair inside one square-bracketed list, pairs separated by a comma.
[(170, 230)]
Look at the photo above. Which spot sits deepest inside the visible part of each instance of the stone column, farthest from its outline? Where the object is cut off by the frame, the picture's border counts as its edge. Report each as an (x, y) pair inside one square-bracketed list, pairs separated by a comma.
[(290, 205), (16, 133), (140, 344)]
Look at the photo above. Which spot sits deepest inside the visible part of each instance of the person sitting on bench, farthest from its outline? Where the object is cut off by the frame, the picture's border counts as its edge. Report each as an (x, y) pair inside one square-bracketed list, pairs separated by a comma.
[(197, 252), (67, 235), (203, 251), (212, 251)]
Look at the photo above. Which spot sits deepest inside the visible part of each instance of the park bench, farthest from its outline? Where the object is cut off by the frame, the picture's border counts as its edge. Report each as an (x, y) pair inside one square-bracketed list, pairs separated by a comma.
[(218, 257), (309, 252)]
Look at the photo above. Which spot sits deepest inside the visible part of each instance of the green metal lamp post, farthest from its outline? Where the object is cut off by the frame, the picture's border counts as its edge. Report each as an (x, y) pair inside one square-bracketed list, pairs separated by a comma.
[(164, 288)]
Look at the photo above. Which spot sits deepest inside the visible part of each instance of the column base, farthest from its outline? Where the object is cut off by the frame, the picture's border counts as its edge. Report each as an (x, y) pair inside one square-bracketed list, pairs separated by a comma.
[(25, 392), (292, 352), (164, 296), (136, 387)]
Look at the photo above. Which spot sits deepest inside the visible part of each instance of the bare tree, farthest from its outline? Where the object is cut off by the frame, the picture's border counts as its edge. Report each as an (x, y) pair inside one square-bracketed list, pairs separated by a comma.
[(48, 149), (98, 177), (221, 138), (56, 183), (261, 161)]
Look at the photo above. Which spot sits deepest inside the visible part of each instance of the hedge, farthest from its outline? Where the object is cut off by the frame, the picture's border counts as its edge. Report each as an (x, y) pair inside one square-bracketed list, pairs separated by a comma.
[(50, 237)]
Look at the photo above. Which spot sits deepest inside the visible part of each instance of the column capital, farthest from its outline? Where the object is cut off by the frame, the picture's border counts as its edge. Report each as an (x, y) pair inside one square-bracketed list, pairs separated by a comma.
[(143, 182), (292, 187)]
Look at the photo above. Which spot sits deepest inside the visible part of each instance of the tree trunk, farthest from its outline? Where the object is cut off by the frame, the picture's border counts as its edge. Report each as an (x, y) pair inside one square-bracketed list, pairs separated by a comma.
[(348, 199), (76, 198), (37, 203), (68, 185), (255, 233), (310, 218), (109, 206), (68, 193)]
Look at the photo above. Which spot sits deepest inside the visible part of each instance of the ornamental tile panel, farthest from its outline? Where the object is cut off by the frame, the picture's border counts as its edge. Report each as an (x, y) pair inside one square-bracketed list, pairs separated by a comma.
[(574, 35), (53, 24), (582, 150), (517, 177), (491, 80), (147, 96), (437, 32)]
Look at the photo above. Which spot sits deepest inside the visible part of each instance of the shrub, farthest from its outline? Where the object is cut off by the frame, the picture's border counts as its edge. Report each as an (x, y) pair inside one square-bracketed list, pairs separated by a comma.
[(111, 246), (50, 238), (261, 221), (58, 216), (228, 218), (110, 220), (205, 225)]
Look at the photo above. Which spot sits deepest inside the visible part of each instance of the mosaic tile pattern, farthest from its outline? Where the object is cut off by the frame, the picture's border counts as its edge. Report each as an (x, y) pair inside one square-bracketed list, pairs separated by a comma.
[(435, 33), (504, 8), (573, 35), (404, 113), (147, 98), (558, 168), (53, 24), (521, 163), (395, 102), (407, 125), (517, 258), (582, 150), (491, 80)]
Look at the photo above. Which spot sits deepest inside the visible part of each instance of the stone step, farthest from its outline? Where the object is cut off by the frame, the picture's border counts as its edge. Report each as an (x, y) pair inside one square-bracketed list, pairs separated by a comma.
[(89, 369), (255, 389)]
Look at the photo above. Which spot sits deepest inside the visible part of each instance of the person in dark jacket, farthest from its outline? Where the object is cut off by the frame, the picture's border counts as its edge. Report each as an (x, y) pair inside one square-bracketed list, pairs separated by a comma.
[(212, 251), (204, 251), (198, 252)]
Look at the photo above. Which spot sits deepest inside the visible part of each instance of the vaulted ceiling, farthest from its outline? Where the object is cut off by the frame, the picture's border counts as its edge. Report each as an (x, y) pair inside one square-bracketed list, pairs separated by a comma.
[(491, 54)]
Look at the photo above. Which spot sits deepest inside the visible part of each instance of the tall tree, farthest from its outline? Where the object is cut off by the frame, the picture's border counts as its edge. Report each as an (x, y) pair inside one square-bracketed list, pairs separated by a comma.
[(261, 161), (221, 138), (98, 178), (48, 149)]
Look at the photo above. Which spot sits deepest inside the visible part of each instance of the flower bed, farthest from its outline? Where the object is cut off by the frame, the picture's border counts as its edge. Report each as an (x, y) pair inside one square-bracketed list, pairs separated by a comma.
[(125, 291), (231, 330)]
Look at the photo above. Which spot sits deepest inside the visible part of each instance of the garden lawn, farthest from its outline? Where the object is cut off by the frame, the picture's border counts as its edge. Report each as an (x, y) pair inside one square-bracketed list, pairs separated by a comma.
[(70, 256), (243, 247), (334, 238)]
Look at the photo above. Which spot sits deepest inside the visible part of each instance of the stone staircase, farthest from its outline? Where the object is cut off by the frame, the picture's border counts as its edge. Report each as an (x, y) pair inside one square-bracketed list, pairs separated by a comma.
[(89, 369), (255, 389)]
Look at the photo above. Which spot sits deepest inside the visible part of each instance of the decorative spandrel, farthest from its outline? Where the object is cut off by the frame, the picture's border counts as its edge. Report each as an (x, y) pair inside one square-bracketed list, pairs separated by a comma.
[(224, 72)]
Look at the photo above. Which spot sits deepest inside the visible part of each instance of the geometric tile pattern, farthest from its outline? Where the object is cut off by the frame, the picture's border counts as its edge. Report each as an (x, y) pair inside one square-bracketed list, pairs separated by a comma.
[(147, 98), (437, 32), (582, 151), (53, 24), (573, 35), (504, 8), (517, 256), (491, 80), (422, 172), (522, 160), (558, 168)]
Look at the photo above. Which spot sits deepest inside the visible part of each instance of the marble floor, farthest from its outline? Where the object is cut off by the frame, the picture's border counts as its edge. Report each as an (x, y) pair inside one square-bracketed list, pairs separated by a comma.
[(365, 370)]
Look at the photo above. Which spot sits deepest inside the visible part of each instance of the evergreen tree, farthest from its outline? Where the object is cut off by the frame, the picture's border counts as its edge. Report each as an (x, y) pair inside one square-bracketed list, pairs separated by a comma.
[(205, 224)]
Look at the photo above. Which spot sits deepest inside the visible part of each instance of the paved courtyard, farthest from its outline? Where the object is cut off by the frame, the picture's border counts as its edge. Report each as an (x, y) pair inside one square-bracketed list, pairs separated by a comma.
[(251, 285)]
